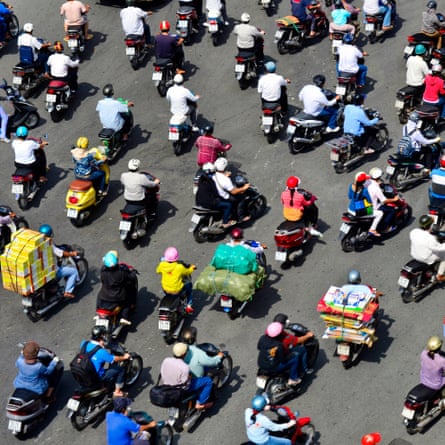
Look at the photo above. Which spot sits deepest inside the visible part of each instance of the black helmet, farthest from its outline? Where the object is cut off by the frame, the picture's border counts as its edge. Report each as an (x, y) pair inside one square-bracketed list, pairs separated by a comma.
[(319, 80), (354, 277), (431, 4), (189, 335), (338, 4), (281, 318), (357, 99), (208, 129), (98, 332), (131, 2), (108, 90), (240, 181), (425, 221)]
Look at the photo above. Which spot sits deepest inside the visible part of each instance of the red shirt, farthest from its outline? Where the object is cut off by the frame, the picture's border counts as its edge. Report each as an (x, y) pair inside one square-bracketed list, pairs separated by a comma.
[(208, 149), (434, 86)]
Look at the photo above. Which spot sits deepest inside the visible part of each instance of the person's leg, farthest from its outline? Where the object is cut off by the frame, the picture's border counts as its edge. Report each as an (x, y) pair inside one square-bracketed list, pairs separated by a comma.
[(283, 100), (188, 288), (4, 123), (147, 33), (329, 114), (116, 374), (2, 31), (361, 75), (226, 208), (204, 384), (387, 17), (39, 166), (378, 215), (98, 178), (71, 275), (290, 364), (273, 440)]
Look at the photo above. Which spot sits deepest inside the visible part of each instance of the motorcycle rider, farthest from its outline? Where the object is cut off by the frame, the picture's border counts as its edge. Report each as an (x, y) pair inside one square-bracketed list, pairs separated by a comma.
[(175, 276), (249, 38), (431, 24), (174, 371), (4, 125), (340, 20), (272, 87), (434, 93), (5, 13), (358, 194), (134, 23), (62, 68), (87, 164), (355, 285), (114, 372), (113, 113), (437, 187), (299, 11), (29, 154), (426, 248), (315, 103), (237, 239), (75, 13), (271, 356), (169, 46), (70, 273), (432, 365), (34, 376), (218, 5), (375, 7), (258, 425), (30, 48), (182, 101), (349, 61), (209, 147), (416, 70)]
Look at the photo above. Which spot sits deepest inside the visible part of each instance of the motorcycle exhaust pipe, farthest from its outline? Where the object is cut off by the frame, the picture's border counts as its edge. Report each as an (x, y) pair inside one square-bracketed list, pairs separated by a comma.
[(179, 328), (433, 414), (304, 140), (46, 308), (353, 161)]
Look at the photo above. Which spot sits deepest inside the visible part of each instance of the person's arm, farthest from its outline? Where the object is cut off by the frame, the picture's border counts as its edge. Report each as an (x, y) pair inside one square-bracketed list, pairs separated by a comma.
[(363, 119), (149, 426), (72, 63), (272, 426), (206, 360), (120, 358)]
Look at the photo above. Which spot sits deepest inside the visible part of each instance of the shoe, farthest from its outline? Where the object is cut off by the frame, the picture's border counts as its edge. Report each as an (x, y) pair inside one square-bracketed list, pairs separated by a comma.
[(309, 371), (315, 232), (125, 322), (291, 382), (195, 129), (332, 130), (229, 224), (389, 229), (369, 151), (5, 140), (374, 233), (226, 23), (440, 277), (313, 34), (246, 218), (102, 193), (69, 295), (179, 71), (189, 309), (89, 37), (203, 405)]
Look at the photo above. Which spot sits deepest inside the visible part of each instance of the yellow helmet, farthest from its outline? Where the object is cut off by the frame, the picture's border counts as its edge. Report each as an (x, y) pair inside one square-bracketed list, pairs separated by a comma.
[(434, 343), (82, 142)]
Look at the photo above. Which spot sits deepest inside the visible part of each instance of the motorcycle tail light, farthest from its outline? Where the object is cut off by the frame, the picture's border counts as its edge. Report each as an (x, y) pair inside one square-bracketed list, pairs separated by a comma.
[(163, 317), (293, 122), (391, 162), (345, 218), (125, 215), (18, 179), (433, 212), (239, 59), (158, 68), (18, 73), (225, 298), (182, 17), (73, 200), (130, 42), (50, 91), (267, 112), (413, 406), (173, 129), (411, 39), (371, 19), (213, 22)]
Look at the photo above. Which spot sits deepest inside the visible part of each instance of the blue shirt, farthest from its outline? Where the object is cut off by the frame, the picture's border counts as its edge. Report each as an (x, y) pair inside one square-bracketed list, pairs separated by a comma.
[(198, 360), (109, 110), (32, 376), (299, 8), (355, 197), (120, 428), (258, 431), (356, 119), (437, 188), (340, 16), (99, 358)]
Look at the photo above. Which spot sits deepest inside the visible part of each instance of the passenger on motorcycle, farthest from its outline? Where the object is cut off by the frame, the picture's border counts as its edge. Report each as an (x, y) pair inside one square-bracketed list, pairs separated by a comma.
[(437, 187), (434, 93), (6, 217), (316, 103), (209, 147), (273, 87), (114, 372), (34, 376), (75, 13), (135, 186), (174, 371), (272, 356), (375, 7), (182, 101), (29, 48), (87, 164), (349, 60), (29, 154), (340, 20), (134, 22), (258, 425), (425, 246), (432, 365), (5, 14), (175, 276), (207, 194), (249, 38), (299, 11), (431, 24), (218, 5), (237, 239), (169, 46), (113, 113), (62, 68), (4, 126), (416, 70), (359, 199)]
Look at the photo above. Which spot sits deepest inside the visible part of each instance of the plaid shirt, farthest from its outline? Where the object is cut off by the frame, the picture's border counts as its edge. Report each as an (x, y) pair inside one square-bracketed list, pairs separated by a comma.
[(208, 149)]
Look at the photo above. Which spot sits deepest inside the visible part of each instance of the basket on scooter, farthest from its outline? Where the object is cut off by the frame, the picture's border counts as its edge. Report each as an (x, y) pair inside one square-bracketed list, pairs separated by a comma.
[(341, 143), (288, 233)]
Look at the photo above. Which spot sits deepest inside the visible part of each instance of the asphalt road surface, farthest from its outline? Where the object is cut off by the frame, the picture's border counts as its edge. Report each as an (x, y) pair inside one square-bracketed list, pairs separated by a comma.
[(344, 405)]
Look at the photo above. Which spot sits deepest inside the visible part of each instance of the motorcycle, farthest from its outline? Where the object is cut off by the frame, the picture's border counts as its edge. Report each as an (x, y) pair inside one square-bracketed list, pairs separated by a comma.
[(26, 409), (12, 28), (407, 100), (245, 68), (135, 219), (75, 40), (272, 120), (135, 50), (206, 224), (346, 86), (58, 97), (374, 25), (354, 229), (161, 434), (274, 384), (270, 6), (215, 26), (346, 152), (429, 118), (184, 17), (88, 404), (163, 75), (292, 34), (179, 132), (8, 228)]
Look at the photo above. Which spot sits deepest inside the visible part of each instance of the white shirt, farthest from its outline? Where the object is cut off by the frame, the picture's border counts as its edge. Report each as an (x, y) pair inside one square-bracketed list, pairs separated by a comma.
[(24, 151), (416, 71), (425, 247), (213, 5), (132, 19), (376, 193), (269, 86), (27, 39), (372, 7), (314, 100), (177, 95), (246, 35), (224, 184), (347, 58), (59, 64)]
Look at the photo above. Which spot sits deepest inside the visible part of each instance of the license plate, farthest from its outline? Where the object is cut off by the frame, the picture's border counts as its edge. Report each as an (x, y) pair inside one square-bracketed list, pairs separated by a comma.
[(403, 282), (369, 27), (267, 120), (182, 23), (164, 325), (15, 426), (195, 218), (72, 213), (408, 50), (213, 28), (225, 302), (340, 90), (280, 256), (157, 75), (173, 136), (399, 104), (343, 349), (17, 80), (103, 322), (72, 43), (239, 68), (278, 34), (261, 382), (130, 50), (125, 225), (51, 98), (17, 189), (73, 404), (390, 170), (434, 61), (408, 413), (345, 228), (335, 156), (26, 302)]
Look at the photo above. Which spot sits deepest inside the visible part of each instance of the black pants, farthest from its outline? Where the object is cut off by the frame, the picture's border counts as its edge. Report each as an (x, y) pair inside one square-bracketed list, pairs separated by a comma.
[(310, 214), (38, 167)]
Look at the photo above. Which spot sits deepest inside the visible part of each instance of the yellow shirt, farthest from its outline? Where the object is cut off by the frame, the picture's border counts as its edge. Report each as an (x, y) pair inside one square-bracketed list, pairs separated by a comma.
[(173, 275)]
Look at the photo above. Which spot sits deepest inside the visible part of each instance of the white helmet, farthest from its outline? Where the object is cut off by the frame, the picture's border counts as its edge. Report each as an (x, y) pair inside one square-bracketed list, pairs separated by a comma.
[(221, 164), (134, 164), (208, 167), (245, 17), (178, 79), (375, 173), (28, 27)]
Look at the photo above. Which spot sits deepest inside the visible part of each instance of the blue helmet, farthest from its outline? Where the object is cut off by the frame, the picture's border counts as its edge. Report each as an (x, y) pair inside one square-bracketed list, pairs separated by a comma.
[(21, 132), (46, 229), (348, 38), (258, 403), (110, 259), (270, 67)]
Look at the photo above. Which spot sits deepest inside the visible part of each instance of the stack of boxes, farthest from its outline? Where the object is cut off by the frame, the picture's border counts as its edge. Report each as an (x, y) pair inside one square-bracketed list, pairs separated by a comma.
[(28, 262)]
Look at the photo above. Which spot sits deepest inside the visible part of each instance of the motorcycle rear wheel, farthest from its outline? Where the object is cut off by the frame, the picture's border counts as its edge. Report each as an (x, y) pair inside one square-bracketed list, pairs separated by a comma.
[(274, 389), (198, 234), (82, 268), (14, 26), (296, 147), (77, 222), (243, 83), (134, 62), (411, 426), (32, 120), (407, 294), (281, 45), (33, 315), (129, 243), (177, 148), (56, 116), (134, 370), (23, 203), (162, 88), (78, 418), (354, 358), (403, 117), (215, 39), (346, 244), (339, 168), (271, 137)]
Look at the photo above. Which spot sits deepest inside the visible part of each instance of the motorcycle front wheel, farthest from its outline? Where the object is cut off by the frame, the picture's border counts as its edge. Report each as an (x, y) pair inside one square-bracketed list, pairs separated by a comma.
[(162, 88), (133, 370), (407, 293), (244, 83), (78, 418), (56, 116), (258, 207), (14, 26), (225, 371), (32, 120), (308, 433), (164, 436), (23, 203), (82, 269)]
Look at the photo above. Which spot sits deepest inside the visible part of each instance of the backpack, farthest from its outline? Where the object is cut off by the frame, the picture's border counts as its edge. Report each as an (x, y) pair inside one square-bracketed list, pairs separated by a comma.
[(405, 146), (83, 167), (207, 195), (166, 396), (83, 369)]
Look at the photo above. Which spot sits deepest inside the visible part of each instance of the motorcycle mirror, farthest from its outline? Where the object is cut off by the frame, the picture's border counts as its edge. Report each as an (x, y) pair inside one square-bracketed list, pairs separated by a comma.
[(297, 413)]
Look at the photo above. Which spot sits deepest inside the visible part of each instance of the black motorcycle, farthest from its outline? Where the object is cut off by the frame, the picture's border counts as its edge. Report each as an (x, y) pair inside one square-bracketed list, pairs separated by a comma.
[(161, 434), (407, 100), (374, 25), (75, 40), (246, 68), (58, 98), (272, 120), (7, 229), (163, 74)]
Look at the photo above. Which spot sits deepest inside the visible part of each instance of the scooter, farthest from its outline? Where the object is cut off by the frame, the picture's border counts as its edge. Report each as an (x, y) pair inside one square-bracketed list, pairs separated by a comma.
[(407, 100), (270, 6), (58, 97), (272, 120), (184, 17), (171, 316), (135, 50), (75, 40), (26, 409), (163, 75), (403, 172), (12, 28), (374, 25), (161, 434), (179, 132), (215, 26), (245, 68), (8, 228), (346, 86)]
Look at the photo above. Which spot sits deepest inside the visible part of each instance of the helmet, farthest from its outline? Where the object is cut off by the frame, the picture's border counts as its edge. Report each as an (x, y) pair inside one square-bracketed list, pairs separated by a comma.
[(389, 191), (434, 344), (171, 254), (240, 181), (237, 233), (31, 350), (258, 403), (338, 4), (208, 129), (357, 99), (270, 67), (28, 27), (431, 4), (274, 329), (281, 318), (221, 164), (414, 116), (110, 259), (293, 182), (419, 50), (82, 142), (425, 221), (361, 177), (319, 80), (375, 173), (189, 335), (178, 79), (208, 168), (46, 229), (442, 161), (180, 349), (108, 90), (436, 68), (429, 133), (348, 38), (131, 2), (164, 25), (98, 332), (245, 17), (134, 164), (371, 439), (58, 46), (21, 132), (354, 277)]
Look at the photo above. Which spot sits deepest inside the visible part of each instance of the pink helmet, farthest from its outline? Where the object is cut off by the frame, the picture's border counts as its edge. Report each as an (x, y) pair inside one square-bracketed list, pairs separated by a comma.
[(171, 254), (274, 329)]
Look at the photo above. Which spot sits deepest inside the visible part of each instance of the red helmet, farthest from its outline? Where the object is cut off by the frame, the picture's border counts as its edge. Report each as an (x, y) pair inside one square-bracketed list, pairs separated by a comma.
[(371, 439), (237, 233), (164, 25), (292, 182), (442, 161), (361, 177)]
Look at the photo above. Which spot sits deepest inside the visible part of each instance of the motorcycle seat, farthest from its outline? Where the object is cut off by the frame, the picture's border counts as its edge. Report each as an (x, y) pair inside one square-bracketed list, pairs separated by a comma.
[(26, 67), (422, 38), (169, 301), (379, 15), (57, 84), (106, 133), (346, 76), (133, 209), (21, 171), (74, 29), (415, 266), (288, 227), (420, 393), (269, 373), (188, 10), (205, 210), (247, 55), (308, 120), (163, 62), (81, 185), (428, 111), (133, 37), (25, 395), (406, 91), (273, 106)]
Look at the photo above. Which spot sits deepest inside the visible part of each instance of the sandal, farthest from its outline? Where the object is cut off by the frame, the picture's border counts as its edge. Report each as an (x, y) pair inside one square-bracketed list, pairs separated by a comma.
[(374, 233)]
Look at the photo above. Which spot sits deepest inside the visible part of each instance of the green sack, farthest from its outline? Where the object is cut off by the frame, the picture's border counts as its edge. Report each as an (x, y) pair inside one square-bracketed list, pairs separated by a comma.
[(237, 259)]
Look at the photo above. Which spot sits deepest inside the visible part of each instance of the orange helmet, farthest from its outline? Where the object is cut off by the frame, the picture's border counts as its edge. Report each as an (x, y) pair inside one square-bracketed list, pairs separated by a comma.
[(164, 25), (58, 46)]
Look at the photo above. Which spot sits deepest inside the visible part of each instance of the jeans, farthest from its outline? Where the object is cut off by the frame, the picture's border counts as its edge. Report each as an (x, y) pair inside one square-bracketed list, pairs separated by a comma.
[(330, 113), (147, 33), (226, 208), (4, 122), (291, 363), (115, 374), (300, 352), (387, 17), (3, 29), (205, 385), (277, 441), (98, 178), (71, 275)]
